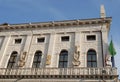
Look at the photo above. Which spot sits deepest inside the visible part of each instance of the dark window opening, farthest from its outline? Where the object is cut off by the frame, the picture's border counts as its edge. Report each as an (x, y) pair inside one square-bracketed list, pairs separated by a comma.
[(12, 60), (37, 59), (65, 38), (39, 40), (18, 41), (91, 37), (63, 59), (91, 59)]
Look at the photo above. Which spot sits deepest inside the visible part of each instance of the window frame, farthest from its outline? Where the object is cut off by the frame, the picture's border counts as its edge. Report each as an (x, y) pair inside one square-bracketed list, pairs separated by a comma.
[(92, 61), (12, 60), (36, 63), (63, 62)]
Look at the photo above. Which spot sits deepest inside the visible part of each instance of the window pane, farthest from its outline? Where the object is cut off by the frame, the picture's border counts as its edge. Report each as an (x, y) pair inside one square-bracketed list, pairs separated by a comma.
[(89, 57), (64, 53), (94, 58), (40, 53), (11, 59), (39, 58), (61, 64), (61, 58), (65, 64), (66, 58), (91, 53), (88, 64), (94, 64), (9, 65), (35, 58), (38, 64)]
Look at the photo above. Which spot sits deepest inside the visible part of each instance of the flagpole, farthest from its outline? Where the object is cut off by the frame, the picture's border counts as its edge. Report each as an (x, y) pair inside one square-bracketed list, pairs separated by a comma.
[(113, 61), (112, 58)]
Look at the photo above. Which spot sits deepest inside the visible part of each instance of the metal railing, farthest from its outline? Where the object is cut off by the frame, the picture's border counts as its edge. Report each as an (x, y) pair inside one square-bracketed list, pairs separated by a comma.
[(59, 71)]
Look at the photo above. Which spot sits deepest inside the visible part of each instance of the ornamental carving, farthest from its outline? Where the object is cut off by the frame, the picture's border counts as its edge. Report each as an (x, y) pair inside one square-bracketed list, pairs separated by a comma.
[(108, 61), (48, 60), (76, 56), (22, 59)]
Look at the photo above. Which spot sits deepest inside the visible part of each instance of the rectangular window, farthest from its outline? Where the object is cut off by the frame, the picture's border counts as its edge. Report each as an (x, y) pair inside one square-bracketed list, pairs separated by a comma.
[(18, 41), (39, 40), (91, 37), (65, 38)]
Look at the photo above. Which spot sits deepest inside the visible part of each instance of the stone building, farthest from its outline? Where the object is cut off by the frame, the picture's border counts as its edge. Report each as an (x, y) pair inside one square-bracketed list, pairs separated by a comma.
[(57, 51)]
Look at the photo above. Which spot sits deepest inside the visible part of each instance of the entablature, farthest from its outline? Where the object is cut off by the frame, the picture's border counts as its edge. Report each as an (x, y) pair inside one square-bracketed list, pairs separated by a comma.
[(68, 23)]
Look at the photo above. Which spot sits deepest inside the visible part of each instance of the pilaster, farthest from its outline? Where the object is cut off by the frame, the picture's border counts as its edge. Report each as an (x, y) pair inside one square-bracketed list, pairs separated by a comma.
[(3, 50), (50, 56), (76, 56), (26, 49), (77, 38), (104, 34)]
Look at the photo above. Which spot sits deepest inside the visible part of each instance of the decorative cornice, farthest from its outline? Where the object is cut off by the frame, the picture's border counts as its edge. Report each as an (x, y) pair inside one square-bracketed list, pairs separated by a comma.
[(65, 23)]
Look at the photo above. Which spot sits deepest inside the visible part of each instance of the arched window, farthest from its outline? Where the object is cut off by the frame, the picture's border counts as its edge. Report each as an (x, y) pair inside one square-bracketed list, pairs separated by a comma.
[(63, 59), (91, 58), (12, 60), (37, 59)]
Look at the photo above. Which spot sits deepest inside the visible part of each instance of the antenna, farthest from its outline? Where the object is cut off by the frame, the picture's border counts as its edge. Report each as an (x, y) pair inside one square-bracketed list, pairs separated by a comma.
[(102, 12)]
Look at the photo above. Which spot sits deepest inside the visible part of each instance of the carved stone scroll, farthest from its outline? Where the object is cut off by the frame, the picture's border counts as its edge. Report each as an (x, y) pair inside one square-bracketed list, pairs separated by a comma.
[(76, 56)]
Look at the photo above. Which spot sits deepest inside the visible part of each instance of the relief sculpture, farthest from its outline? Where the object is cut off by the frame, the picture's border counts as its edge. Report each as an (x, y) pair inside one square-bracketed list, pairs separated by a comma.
[(48, 60), (22, 59), (108, 61), (76, 56)]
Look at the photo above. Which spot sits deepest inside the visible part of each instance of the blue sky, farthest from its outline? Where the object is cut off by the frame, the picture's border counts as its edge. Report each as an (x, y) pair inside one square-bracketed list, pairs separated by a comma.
[(25, 11)]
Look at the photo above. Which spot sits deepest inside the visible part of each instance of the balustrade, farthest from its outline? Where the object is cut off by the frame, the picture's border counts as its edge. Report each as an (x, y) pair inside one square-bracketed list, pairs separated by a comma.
[(59, 71)]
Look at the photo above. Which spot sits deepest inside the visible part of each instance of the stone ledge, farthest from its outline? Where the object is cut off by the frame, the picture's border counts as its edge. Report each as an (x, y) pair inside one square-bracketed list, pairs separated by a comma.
[(107, 77)]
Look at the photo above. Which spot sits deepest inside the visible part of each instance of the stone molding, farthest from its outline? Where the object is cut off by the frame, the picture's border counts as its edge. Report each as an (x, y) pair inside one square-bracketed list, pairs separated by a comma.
[(69, 23)]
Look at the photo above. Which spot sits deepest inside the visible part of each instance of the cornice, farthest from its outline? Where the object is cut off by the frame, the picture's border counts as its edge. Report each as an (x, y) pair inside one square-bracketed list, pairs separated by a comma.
[(66, 23)]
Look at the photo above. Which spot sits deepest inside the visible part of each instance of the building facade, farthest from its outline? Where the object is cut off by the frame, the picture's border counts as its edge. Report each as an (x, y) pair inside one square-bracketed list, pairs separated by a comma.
[(59, 51)]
